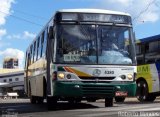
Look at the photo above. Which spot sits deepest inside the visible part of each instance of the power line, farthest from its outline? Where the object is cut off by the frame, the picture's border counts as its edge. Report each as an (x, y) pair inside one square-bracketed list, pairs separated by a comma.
[(28, 14), (22, 19), (143, 11), (22, 12)]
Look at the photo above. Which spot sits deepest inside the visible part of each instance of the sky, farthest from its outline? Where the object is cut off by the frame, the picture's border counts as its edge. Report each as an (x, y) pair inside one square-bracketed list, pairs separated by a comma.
[(22, 20)]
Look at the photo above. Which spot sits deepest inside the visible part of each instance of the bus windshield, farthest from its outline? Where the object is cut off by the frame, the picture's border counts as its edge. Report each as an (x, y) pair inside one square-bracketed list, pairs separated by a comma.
[(94, 44)]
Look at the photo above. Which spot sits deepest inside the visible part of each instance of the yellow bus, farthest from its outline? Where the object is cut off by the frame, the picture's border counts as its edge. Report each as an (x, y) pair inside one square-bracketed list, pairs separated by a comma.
[(148, 70), (82, 54)]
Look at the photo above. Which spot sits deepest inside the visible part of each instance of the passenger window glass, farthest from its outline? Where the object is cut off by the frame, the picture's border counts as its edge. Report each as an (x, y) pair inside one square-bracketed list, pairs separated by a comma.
[(38, 49), (34, 52), (31, 54), (44, 42), (26, 59)]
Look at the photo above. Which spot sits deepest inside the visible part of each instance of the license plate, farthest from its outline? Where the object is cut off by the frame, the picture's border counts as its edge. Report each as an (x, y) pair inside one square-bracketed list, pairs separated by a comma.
[(121, 93)]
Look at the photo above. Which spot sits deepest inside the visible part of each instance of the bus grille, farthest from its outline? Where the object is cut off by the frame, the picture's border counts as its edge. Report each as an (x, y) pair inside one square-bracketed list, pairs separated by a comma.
[(98, 90), (97, 78)]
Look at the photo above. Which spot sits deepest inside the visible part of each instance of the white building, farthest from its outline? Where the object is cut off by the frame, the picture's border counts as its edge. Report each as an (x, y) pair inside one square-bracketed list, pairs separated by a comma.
[(12, 80)]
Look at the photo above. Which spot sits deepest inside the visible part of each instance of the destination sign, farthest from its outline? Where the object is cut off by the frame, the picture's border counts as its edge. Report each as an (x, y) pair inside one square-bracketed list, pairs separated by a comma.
[(94, 17)]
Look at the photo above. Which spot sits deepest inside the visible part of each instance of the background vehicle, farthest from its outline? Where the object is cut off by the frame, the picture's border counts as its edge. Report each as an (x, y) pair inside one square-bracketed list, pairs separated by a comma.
[(148, 70), (82, 54)]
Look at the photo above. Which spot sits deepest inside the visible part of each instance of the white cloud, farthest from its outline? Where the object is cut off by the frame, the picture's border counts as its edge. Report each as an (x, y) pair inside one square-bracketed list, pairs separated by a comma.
[(27, 34), (5, 6), (2, 33), (24, 35), (2, 44), (11, 52), (150, 12)]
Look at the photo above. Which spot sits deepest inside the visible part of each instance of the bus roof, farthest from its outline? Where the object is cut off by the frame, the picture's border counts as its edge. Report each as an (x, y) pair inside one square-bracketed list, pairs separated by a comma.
[(93, 11), (149, 39), (103, 11)]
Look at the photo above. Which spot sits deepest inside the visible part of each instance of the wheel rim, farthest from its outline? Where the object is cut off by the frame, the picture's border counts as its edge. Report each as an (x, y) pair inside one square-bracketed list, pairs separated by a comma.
[(142, 91)]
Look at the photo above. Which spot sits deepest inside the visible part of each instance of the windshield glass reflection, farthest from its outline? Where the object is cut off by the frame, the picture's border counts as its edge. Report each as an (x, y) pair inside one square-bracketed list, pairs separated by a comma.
[(91, 44)]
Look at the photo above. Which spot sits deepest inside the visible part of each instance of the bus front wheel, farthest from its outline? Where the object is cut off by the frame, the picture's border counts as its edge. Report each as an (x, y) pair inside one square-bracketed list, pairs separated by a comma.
[(91, 100), (119, 99), (108, 102), (51, 103)]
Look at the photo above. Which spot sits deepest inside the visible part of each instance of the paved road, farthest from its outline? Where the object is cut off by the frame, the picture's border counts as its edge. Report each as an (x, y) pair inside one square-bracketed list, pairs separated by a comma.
[(130, 108)]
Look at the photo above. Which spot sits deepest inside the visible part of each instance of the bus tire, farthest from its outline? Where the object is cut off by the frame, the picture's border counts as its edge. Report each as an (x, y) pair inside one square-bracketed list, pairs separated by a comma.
[(108, 102), (33, 99), (51, 103), (78, 100), (119, 99), (74, 101), (142, 91), (40, 100), (91, 100), (151, 97)]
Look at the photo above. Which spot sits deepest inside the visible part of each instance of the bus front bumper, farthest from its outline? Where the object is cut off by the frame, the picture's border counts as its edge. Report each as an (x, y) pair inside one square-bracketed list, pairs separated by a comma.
[(98, 90)]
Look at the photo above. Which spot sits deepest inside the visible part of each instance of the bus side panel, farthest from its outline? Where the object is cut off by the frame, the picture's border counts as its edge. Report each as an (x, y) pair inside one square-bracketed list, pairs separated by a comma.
[(38, 70), (155, 78), (39, 85), (25, 84), (143, 71), (32, 82), (150, 74), (36, 85)]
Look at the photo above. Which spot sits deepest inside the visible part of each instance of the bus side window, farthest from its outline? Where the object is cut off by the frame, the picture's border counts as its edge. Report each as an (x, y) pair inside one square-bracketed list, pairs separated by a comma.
[(146, 46), (139, 49), (34, 52), (26, 59), (149, 59), (158, 60), (139, 61), (44, 42), (38, 49), (31, 54)]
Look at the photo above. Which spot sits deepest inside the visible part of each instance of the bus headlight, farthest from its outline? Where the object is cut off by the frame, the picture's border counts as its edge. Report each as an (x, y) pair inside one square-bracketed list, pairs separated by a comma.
[(130, 76), (61, 75)]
